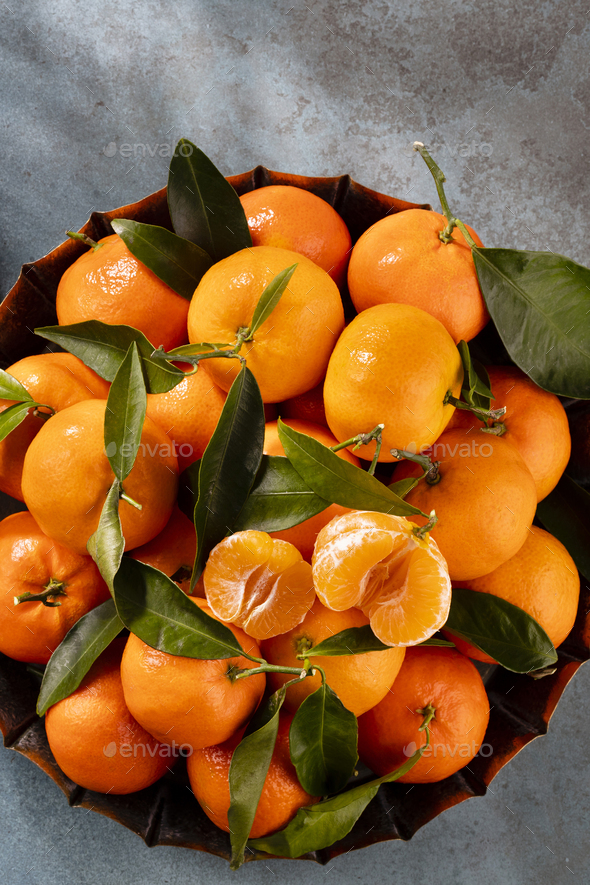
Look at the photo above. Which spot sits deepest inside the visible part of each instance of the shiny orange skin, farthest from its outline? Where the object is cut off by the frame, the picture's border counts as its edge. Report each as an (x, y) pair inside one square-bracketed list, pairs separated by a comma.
[(389, 733), (111, 285), (282, 794), (173, 549), (485, 501), (67, 476), (360, 681), (290, 351), (536, 423), (303, 536), (401, 258), (308, 406), (57, 380), (392, 365), (188, 415), (29, 561), (96, 741), (542, 579), (187, 700), (293, 218)]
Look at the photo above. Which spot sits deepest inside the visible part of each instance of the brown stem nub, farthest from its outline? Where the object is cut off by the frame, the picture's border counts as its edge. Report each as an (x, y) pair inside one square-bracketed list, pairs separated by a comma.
[(53, 589)]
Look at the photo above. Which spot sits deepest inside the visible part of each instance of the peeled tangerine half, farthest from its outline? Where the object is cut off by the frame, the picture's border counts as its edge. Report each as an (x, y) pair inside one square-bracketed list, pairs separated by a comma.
[(258, 583), (375, 562)]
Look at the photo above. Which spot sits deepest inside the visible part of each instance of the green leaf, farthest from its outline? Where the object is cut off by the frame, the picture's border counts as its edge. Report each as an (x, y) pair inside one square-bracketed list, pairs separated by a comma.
[(107, 544), (176, 261), (229, 466), (153, 607), (188, 489), (323, 742), (358, 641), (500, 629), (10, 388), (336, 480), (125, 414), (13, 416), (270, 298), (279, 498), (403, 487), (204, 207), (482, 394), (318, 826), (540, 303), (103, 348), (475, 390), (248, 770), (73, 658), (566, 514)]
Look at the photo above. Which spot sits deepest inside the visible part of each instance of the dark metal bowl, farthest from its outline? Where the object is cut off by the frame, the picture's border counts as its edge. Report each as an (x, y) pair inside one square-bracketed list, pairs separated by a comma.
[(167, 813)]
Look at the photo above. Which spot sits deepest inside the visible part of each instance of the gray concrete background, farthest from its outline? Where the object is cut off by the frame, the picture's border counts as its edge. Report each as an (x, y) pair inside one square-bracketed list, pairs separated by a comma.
[(318, 89)]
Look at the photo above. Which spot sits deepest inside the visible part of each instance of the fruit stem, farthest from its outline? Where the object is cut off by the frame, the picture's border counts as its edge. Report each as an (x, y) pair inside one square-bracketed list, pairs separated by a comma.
[(52, 589), (125, 497), (160, 354), (422, 531), (483, 414), (363, 439), (498, 428), (74, 235), (445, 236), (429, 466), (45, 415), (428, 712), (271, 668)]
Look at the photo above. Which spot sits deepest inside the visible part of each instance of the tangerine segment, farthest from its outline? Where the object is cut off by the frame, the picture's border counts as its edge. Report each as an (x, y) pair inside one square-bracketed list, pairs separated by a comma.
[(375, 562), (258, 583)]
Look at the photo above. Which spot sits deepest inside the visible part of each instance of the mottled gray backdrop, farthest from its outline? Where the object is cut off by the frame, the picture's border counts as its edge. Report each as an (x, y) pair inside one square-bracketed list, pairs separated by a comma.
[(95, 96)]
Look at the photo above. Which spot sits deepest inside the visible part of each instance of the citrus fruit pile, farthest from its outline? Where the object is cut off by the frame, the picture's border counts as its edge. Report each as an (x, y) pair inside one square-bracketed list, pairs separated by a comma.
[(276, 504)]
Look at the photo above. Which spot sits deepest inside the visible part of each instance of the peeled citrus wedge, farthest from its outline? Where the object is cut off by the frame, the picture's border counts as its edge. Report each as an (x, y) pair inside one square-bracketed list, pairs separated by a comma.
[(376, 562), (258, 583)]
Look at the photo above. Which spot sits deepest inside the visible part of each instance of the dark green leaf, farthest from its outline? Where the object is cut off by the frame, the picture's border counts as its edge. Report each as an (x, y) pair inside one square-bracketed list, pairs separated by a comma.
[(107, 544), (475, 390), (204, 207), (125, 414), (188, 489), (270, 298), (566, 514), (357, 641), (279, 498), (103, 347), (77, 652), (10, 388), (176, 261), (404, 486), (318, 826), (336, 480), (229, 466), (153, 607), (323, 743), (500, 629), (482, 394), (540, 304), (14, 415), (248, 770)]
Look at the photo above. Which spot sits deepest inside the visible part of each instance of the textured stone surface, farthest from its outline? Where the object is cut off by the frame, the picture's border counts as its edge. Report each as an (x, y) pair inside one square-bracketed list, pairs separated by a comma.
[(317, 89)]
